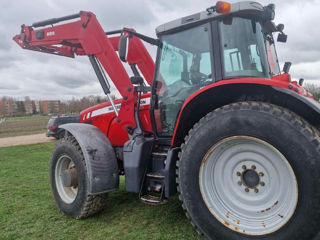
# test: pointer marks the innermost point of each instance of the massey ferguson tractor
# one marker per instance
(214, 119)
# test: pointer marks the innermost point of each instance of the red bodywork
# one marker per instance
(281, 81)
(103, 117)
(86, 37)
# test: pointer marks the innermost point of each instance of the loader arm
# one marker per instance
(85, 36)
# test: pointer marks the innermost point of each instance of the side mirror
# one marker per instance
(280, 27)
(123, 47)
(301, 81)
(286, 67)
(282, 37)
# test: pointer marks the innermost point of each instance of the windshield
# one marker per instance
(272, 56)
(244, 49)
(184, 67)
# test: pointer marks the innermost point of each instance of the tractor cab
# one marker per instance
(227, 41)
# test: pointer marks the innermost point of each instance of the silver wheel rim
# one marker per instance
(258, 210)
(67, 194)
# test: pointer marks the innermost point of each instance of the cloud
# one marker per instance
(308, 71)
(8, 86)
(4, 44)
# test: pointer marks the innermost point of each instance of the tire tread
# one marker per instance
(93, 203)
(298, 122)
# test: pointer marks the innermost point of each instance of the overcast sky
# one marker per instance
(44, 76)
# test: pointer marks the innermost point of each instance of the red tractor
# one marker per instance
(213, 119)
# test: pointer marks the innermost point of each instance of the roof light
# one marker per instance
(223, 7)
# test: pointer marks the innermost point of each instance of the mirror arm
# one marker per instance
(145, 38)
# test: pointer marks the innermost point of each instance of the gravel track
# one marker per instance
(25, 140)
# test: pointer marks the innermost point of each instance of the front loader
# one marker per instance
(214, 119)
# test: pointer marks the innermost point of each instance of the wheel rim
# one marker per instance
(67, 194)
(229, 186)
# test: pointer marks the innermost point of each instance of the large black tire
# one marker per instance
(296, 139)
(84, 204)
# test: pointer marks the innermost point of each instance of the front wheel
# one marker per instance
(251, 171)
(69, 181)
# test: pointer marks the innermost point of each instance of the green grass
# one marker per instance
(28, 211)
(26, 118)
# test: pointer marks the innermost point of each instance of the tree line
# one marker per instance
(9, 106)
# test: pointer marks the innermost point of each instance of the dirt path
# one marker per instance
(24, 140)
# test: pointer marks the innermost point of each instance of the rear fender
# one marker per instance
(101, 163)
(212, 97)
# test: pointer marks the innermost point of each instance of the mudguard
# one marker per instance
(225, 92)
(101, 162)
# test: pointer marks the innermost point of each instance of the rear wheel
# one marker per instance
(251, 171)
(69, 181)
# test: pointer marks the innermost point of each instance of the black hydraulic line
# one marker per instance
(134, 70)
(99, 74)
(114, 32)
(103, 74)
(55, 20)
(138, 130)
(102, 79)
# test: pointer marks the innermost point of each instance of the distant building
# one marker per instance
(8, 108)
(2, 109)
(50, 106)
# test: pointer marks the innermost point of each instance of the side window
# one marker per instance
(255, 58)
(272, 58)
(233, 61)
(171, 63)
(205, 63)
(184, 67)
(243, 50)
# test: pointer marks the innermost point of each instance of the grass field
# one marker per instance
(28, 211)
(23, 126)
(27, 118)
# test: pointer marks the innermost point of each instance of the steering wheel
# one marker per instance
(199, 77)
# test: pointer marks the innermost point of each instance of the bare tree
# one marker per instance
(314, 90)
(2, 109)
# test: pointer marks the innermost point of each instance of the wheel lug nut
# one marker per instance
(253, 167)
(256, 190)
(262, 184)
(247, 190)
(240, 183)
(239, 174)
(244, 167)
(261, 174)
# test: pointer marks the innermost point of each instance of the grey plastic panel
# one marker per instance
(102, 166)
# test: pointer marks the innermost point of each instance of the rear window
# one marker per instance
(51, 122)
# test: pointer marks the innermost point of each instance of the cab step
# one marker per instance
(152, 189)
(159, 154)
(151, 199)
(155, 175)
